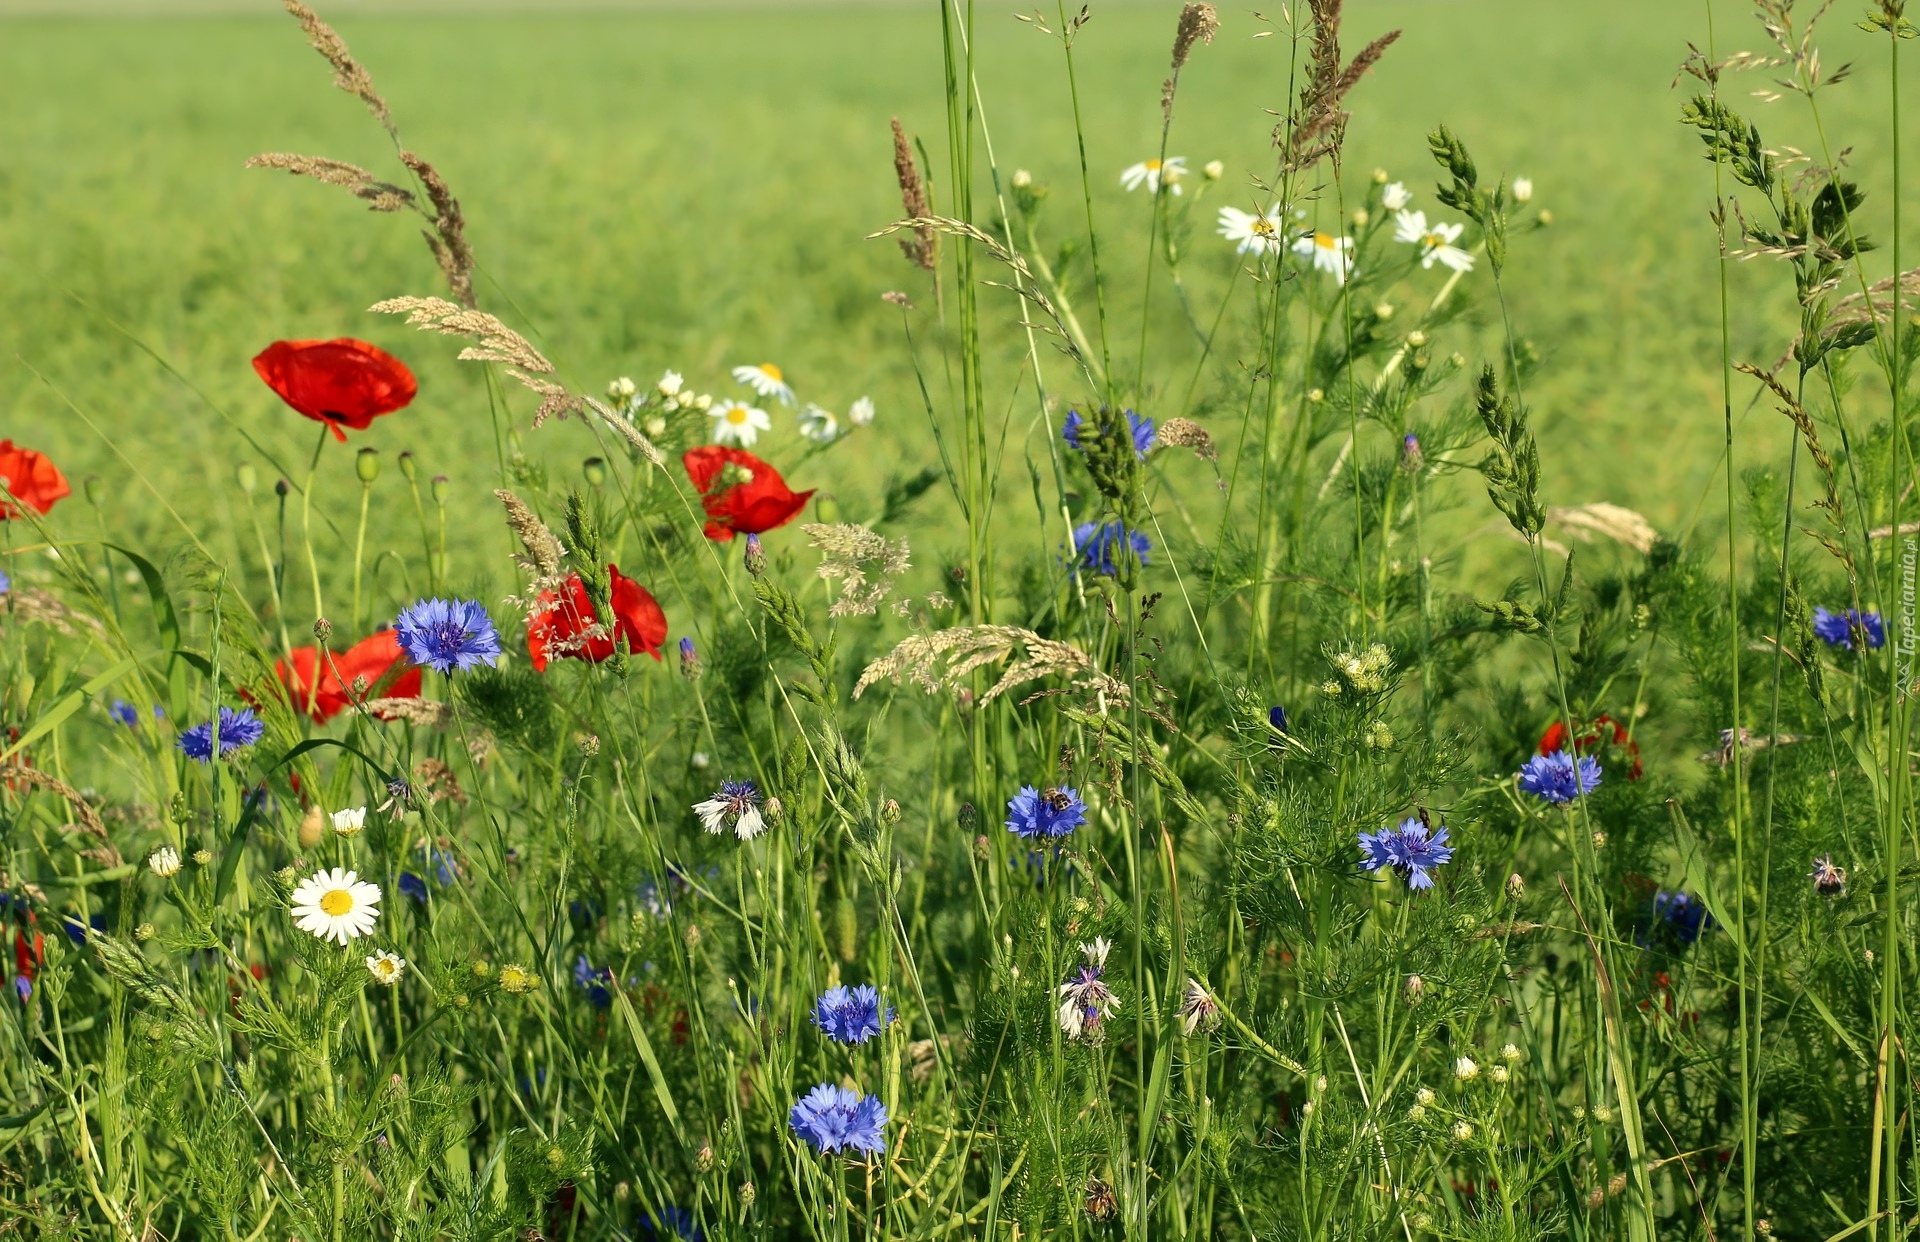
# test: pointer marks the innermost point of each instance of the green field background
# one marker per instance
(689, 186)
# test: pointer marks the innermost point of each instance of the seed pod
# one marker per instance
(366, 464)
(312, 827)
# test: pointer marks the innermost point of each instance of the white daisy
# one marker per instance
(1153, 173)
(1250, 230)
(1436, 243)
(765, 379)
(336, 905)
(670, 383)
(346, 823)
(386, 968)
(819, 425)
(164, 862)
(860, 413)
(1328, 253)
(1522, 189)
(736, 422)
(1395, 196)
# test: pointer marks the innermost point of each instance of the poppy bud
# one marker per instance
(92, 489)
(756, 556)
(366, 464)
(595, 468)
(439, 489)
(323, 629)
(406, 465)
(281, 487)
(827, 509)
(245, 475)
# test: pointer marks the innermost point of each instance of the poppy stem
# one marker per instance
(359, 551)
(306, 524)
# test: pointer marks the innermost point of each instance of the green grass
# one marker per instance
(654, 188)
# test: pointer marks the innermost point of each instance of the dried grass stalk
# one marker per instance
(543, 552)
(89, 821)
(1180, 432)
(378, 195)
(1621, 525)
(348, 74)
(865, 563)
(497, 343)
(448, 238)
(1830, 480)
(1319, 124)
(35, 605)
(946, 658)
(431, 713)
(1198, 22)
(627, 431)
(924, 246)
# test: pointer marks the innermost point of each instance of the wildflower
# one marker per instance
(564, 625)
(238, 729)
(1367, 671)
(851, 1015)
(122, 712)
(765, 379)
(1050, 813)
(1424, 1095)
(1681, 916)
(1154, 173)
(1416, 990)
(1395, 196)
(1602, 1114)
(32, 479)
(1408, 850)
(593, 982)
(1277, 718)
(336, 905)
(1522, 189)
(1436, 243)
(164, 862)
(1462, 1131)
(819, 424)
(348, 822)
(202, 856)
(1199, 1011)
(1085, 999)
(736, 801)
(736, 422)
(1555, 738)
(1828, 880)
(689, 660)
(1327, 253)
(1250, 231)
(1101, 1204)
(754, 559)
(373, 659)
(740, 493)
(1465, 1069)
(386, 968)
(1139, 424)
(670, 1222)
(23, 988)
(342, 383)
(1101, 545)
(1417, 1112)
(517, 979)
(1509, 1052)
(1557, 778)
(699, 759)
(1836, 628)
(1499, 1074)
(145, 932)
(1213, 170)
(1412, 460)
(6, 584)
(836, 1119)
(448, 635)
(860, 413)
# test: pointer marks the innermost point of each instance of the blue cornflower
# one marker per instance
(1408, 850)
(1101, 543)
(1050, 813)
(1552, 776)
(124, 713)
(593, 982)
(238, 729)
(1139, 424)
(1411, 456)
(448, 635)
(834, 1119)
(22, 986)
(6, 583)
(1277, 717)
(851, 1015)
(413, 886)
(1681, 915)
(671, 1222)
(1836, 628)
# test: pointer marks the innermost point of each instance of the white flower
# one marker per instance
(1499, 1073)
(1250, 230)
(1085, 999)
(1424, 1095)
(164, 862)
(1395, 196)
(860, 413)
(386, 968)
(1509, 1053)
(765, 379)
(1436, 243)
(346, 823)
(1465, 1069)
(336, 905)
(699, 759)
(669, 384)
(819, 425)
(736, 422)
(1096, 952)
(1153, 173)
(1022, 178)
(1328, 253)
(735, 800)
(1522, 189)
(622, 390)
(1462, 1131)
(1214, 169)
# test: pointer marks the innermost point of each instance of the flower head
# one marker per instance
(1199, 1011)
(1102, 546)
(819, 424)
(737, 804)
(336, 905)
(1680, 916)
(1435, 241)
(374, 658)
(238, 729)
(1522, 189)
(1139, 425)
(1251, 231)
(1408, 850)
(593, 981)
(836, 1119)
(123, 712)
(564, 625)
(1085, 999)
(1828, 880)
(1327, 253)
(851, 1015)
(1155, 173)
(448, 635)
(386, 968)
(740, 493)
(342, 383)
(736, 422)
(1466, 1069)
(349, 822)
(164, 862)
(6, 584)
(32, 479)
(1395, 195)
(1557, 778)
(1034, 813)
(1277, 718)
(1836, 628)
(765, 379)
(860, 413)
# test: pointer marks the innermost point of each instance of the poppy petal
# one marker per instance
(342, 383)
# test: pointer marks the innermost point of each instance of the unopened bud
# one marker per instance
(689, 660)
(202, 857)
(889, 812)
(406, 465)
(703, 1159)
(439, 487)
(1416, 338)
(281, 487)
(968, 817)
(366, 464)
(982, 848)
(244, 474)
(1516, 886)
(312, 827)
(1213, 170)
(595, 468)
(323, 629)
(773, 810)
(746, 1196)
(145, 931)
(589, 745)
(1416, 989)
(622, 1192)
(756, 558)
(1022, 179)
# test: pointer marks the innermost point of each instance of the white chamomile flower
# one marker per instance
(1522, 189)
(621, 390)
(736, 422)
(347, 823)
(1462, 1131)
(336, 905)
(670, 384)
(1328, 254)
(164, 862)
(819, 425)
(860, 413)
(1155, 173)
(1395, 196)
(1250, 230)
(386, 968)
(1466, 1069)
(765, 379)
(1435, 242)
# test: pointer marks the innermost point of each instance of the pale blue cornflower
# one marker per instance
(238, 729)
(1554, 777)
(835, 1119)
(851, 1015)
(1409, 850)
(1034, 813)
(448, 635)
(1102, 545)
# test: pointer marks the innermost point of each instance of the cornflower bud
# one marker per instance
(323, 629)
(1416, 990)
(366, 464)
(1516, 886)
(772, 811)
(746, 1196)
(589, 746)
(756, 557)
(968, 817)
(889, 812)
(703, 1159)
(281, 487)
(689, 660)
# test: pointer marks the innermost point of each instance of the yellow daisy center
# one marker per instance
(1323, 240)
(1262, 226)
(1435, 241)
(772, 372)
(1153, 165)
(336, 902)
(738, 414)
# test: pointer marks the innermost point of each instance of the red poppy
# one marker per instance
(1597, 734)
(343, 383)
(372, 657)
(32, 478)
(742, 494)
(637, 617)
